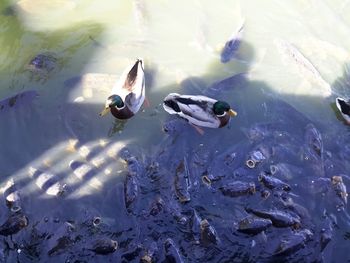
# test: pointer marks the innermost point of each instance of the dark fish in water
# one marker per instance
(135, 166)
(9, 11)
(292, 243)
(157, 206)
(232, 46)
(285, 170)
(208, 233)
(195, 225)
(227, 84)
(13, 224)
(104, 246)
(172, 254)
(44, 63)
(259, 131)
(281, 152)
(326, 233)
(150, 254)
(174, 126)
(11, 195)
(320, 185)
(278, 218)
(344, 108)
(182, 182)
(131, 190)
(306, 68)
(253, 225)
(273, 183)
(288, 203)
(313, 140)
(254, 158)
(339, 188)
(18, 100)
(238, 188)
(61, 239)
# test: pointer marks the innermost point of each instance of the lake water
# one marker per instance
(291, 64)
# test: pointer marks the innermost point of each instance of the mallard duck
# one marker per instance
(344, 108)
(199, 110)
(128, 94)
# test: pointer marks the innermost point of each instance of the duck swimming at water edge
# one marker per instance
(344, 108)
(199, 110)
(128, 94)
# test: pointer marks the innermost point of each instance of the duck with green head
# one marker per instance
(128, 94)
(199, 110)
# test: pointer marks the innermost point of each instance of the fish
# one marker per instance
(15, 223)
(278, 218)
(232, 45)
(19, 100)
(172, 253)
(150, 254)
(182, 182)
(253, 225)
(273, 182)
(61, 239)
(104, 246)
(254, 158)
(208, 233)
(286, 171)
(306, 68)
(174, 126)
(238, 188)
(339, 188)
(227, 84)
(292, 243)
(131, 190)
(313, 139)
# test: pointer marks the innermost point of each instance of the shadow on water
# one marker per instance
(69, 140)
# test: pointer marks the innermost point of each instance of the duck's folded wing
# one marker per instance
(196, 111)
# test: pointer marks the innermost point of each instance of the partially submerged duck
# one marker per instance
(128, 94)
(344, 108)
(199, 110)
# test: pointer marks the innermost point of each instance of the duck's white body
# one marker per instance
(196, 109)
(344, 108)
(131, 86)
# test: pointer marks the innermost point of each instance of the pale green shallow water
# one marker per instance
(180, 42)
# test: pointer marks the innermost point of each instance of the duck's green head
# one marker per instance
(220, 108)
(112, 101)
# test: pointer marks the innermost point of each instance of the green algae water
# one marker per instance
(53, 140)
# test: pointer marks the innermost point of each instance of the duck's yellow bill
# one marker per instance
(104, 112)
(232, 113)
